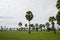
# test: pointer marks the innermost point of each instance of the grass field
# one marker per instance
(23, 35)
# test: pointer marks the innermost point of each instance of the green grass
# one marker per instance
(23, 35)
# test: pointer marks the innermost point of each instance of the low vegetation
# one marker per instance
(23, 35)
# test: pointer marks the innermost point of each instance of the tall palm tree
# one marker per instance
(58, 14)
(36, 27)
(47, 24)
(40, 26)
(52, 19)
(20, 24)
(29, 17)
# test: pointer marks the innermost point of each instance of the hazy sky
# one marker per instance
(14, 11)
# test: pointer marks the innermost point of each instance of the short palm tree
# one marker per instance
(52, 19)
(47, 24)
(33, 27)
(40, 26)
(25, 25)
(29, 17)
(20, 24)
(43, 26)
(36, 27)
(1, 28)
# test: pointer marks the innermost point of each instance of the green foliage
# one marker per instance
(51, 19)
(36, 24)
(40, 25)
(58, 4)
(29, 15)
(43, 25)
(32, 25)
(20, 24)
(47, 24)
(58, 18)
(25, 25)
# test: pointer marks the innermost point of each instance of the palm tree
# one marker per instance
(58, 14)
(43, 26)
(36, 27)
(52, 19)
(20, 24)
(29, 17)
(33, 27)
(1, 28)
(47, 24)
(40, 26)
(25, 25)
(58, 4)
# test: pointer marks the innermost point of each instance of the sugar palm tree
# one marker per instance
(36, 27)
(20, 24)
(43, 26)
(58, 14)
(25, 25)
(1, 28)
(33, 27)
(47, 24)
(52, 19)
(29, 17)
(40, 26)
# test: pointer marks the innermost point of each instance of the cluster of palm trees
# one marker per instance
(29, 16)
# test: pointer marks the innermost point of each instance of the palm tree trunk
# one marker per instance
(53, 28)
(41, 28)
(29, 28)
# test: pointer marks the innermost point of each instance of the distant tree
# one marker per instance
(47, 24)
(52, 19)
(20, 24)
(29, 17)
(36, 27)
(5, 28)
(33, 27)
(1, 28)
(40, 26)
(43, 26)
(25, 25)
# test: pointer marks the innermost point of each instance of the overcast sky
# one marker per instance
(14, 11)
